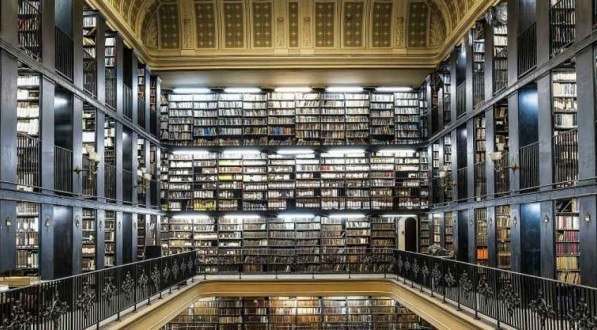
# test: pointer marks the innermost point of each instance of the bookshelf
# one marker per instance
(447, 158)
(333, 175)
(383, 240)
(28, 92)
(503, 235)
(255, 119)
(482, 251)
(383, 179)
(180, 234)
(142, 235)
(164, 132)
(562, 25)
(500, 57)
(280, 182)
(333, 119)
(230, 119)
(90, 55)
(480, 139)
(307, 182)
(156, 102)
(280, 120)
(205, 186)
(565, 104)
(89, 129)
(89, 240)
(110, 141)
(437, 229)
(308, 118)
(449, 231)
(230, 239)
(406, 118)
(29, 27)
(230, 181)
(567, 245)
(180, 182)
(500, 115)
(381, 114)
(407, 180)
(308, 240)
(164, 179)
(424, 181)
(110, 239)
(357, 118)
(181, 120)
(478, 63)
(165, 235)
(27, 237)
(301, 312)
(446, 77)
(281, 242)
(255, 182)
(424, 233)
(423, 112)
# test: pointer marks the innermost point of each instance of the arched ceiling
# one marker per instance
(203, 34)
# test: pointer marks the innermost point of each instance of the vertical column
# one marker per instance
(472, 236)
(158, 97)
(77, 26)
(101, 60)
(8, 124)
(119, 49)
(47, 134)
(512, 41)
(588, 237)
(48, 30)
(491, 237)
(134, 243)
(545, 133)
(134, 89)
(585, 70)
(489, 147)
(515, 233)
(77, 239)
(543, 31)
(453, 104)
(147, 86)
(135, 165)
(100, 120)
(547, 238)
(78, 144)
(584, 19)
(100, 245)
(469, 72)
(470, 159)
(119, 167)
(119, 240)
(46, 242)
(441, 192)
(9, 21)
(8, 235)
(454, 139)
(147, 147)
(488, 69)
(513, 140)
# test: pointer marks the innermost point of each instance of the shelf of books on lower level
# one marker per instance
(482, 250)
(567, 245)
(449, 231)
(27, 237)
(89, 240)
(304, 312)
(503, 236)
(110, 239)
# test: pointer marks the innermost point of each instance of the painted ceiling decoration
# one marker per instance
(177, 34)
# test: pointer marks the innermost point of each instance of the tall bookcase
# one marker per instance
(308, 118)
(565, 141)
(27, 238)
(503, 237)
(255, 119)
(481, 226)
(424, 233)
(437, 229)
(500, 57)
(478, 63)
(89, 240)
(447, 148)
(28, 129)
(280, 119)
(449, 231)
(381, 115)
(567, 245)
(110, 239)
(406, 113)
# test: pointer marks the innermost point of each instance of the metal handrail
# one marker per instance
(29, 161)
(529, 166)
(565, 157)
(562, 25)
(527, 49)
(29, 28)
(63, 169)
(502, 296)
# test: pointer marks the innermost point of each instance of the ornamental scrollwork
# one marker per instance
(55, 310)
(436, 275)
(581, 316)
(155, 277)
(510, 298)
(128, 286)
(449, 278)
(465, 284)
(109, 290)
(19, 318)
(484, 288)
(85, 300)
(542, 308)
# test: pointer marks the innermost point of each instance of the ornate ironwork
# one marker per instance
(166, 273)
(183, 267)
(509, 297)
(465, 284)
(190, 265)
(542, 308)
(109, 290)
(128, 286)
(55, 309)
(85, 300)
(484, 288)
(155, 277)
(142, 282)
(436, 275)
(449, 278)
(424, 272)
(175, 269)
(581, 316)
(19, 318)
(399, 264)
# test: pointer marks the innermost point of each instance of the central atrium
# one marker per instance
(298, 164)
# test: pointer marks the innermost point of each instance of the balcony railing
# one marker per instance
(462, 183)
(529, 166)
(506, 298)
(29, 162)
(478, 88)
(565, 158)
(142, 190)
(63, 169)
(127, 99)
(89, 178)
(502, 174)
(141, 111)
(461, 99)
(110, 181)
(500, 71)
(562, 25)
(111, 89)
(127, 186)
(89, 73)
(527, 50)
(480, 180)
(29, 28)
(64, 53)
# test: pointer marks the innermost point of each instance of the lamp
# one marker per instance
(515, 220)
(47, 223)
(77, 221)
(587, 217)
(8, 222)
(546, 218)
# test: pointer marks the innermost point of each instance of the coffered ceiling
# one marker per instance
(225, 34)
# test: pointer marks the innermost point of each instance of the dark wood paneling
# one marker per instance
(530, 238)
(63, 241)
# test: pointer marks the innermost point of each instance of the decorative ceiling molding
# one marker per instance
(225, 34)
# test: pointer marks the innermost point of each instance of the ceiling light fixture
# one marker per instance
(344, 89)
(191, 90)
(393, 89)
(240, 90)
(293, 89)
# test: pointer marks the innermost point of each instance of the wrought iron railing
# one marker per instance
(507, 298)
(89, 177)
(89, 73)
(29, 28)
(529, 166)
(480, 180)
(28, 162)
(462, 183)
(142, 190)
(562, 25)
(500, 70)
(502, 174)
(111, 89)
(478, 87)
(565, 158)
(527, 49)
(110, 181)
(461, 99)
(141, 111)
(64, 53)
(127, 102)
(63, 169)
